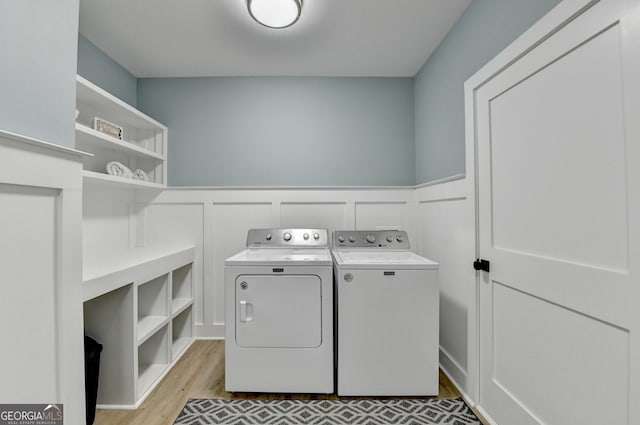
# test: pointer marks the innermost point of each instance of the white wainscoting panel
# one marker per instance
(447, 226)
(330, 215)
(382, 215)
(106, 214)
(41, 263)
(27, 219)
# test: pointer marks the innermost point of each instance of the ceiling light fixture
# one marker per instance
(275, 13)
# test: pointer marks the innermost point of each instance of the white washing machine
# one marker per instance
(279, 313)
(387, 316)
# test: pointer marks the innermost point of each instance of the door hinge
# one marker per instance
(481, 264)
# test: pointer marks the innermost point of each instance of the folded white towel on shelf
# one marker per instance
(118, 169)
(140, 175)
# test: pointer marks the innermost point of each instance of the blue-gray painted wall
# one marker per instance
(38, 69)
(483, 31)
(285, 131)
(97, 67)
(224, 130)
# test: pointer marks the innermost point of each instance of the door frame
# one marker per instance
(557, 18)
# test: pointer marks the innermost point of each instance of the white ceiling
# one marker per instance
(190, 38)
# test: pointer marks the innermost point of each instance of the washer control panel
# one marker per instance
(278, 238)
(382, 239)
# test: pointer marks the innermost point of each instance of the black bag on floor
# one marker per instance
(92, 350)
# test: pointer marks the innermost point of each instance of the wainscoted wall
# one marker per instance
(41, 262)
(217, 220)
(439, 219)
(446, 226)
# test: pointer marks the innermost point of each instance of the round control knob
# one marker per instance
(399, 238)
(371, 238)
(352, 238)
(305, 236)
(341, 238)
(287, 236)
(316, 236)
(390, 238)
(268, 236)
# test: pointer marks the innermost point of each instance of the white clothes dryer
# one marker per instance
(279, 313)
(387, 307)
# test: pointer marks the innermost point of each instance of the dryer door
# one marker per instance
(278, 311)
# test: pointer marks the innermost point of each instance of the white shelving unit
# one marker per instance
(138, 302)
(144, 144)
(139, 306)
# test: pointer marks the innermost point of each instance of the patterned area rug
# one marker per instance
(327, 412)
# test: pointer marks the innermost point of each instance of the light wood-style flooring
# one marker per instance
(200, 374)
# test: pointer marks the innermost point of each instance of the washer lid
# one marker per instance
(374, 259)
(284, 256)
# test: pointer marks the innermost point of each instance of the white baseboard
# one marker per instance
(215, 331)
(487, 418)
(453, 369)
(457, 383)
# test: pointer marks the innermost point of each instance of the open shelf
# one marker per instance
(143, 145)
(181, 289)
(109, 180)
(182, 331)
(88, 139)
(91, 100)
(148, 375)
(178, 305)
(153, 359)
(149, 325)
(152, 307)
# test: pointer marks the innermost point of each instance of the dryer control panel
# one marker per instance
(282, 238)
(381, 239)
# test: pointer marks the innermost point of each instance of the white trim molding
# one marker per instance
(41, 186)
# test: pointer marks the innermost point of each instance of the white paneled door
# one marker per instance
(557, 154)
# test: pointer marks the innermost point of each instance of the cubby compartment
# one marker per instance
(108, 319)
(153, 359)
(181, 289)
(182, 331)
(152, 306)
